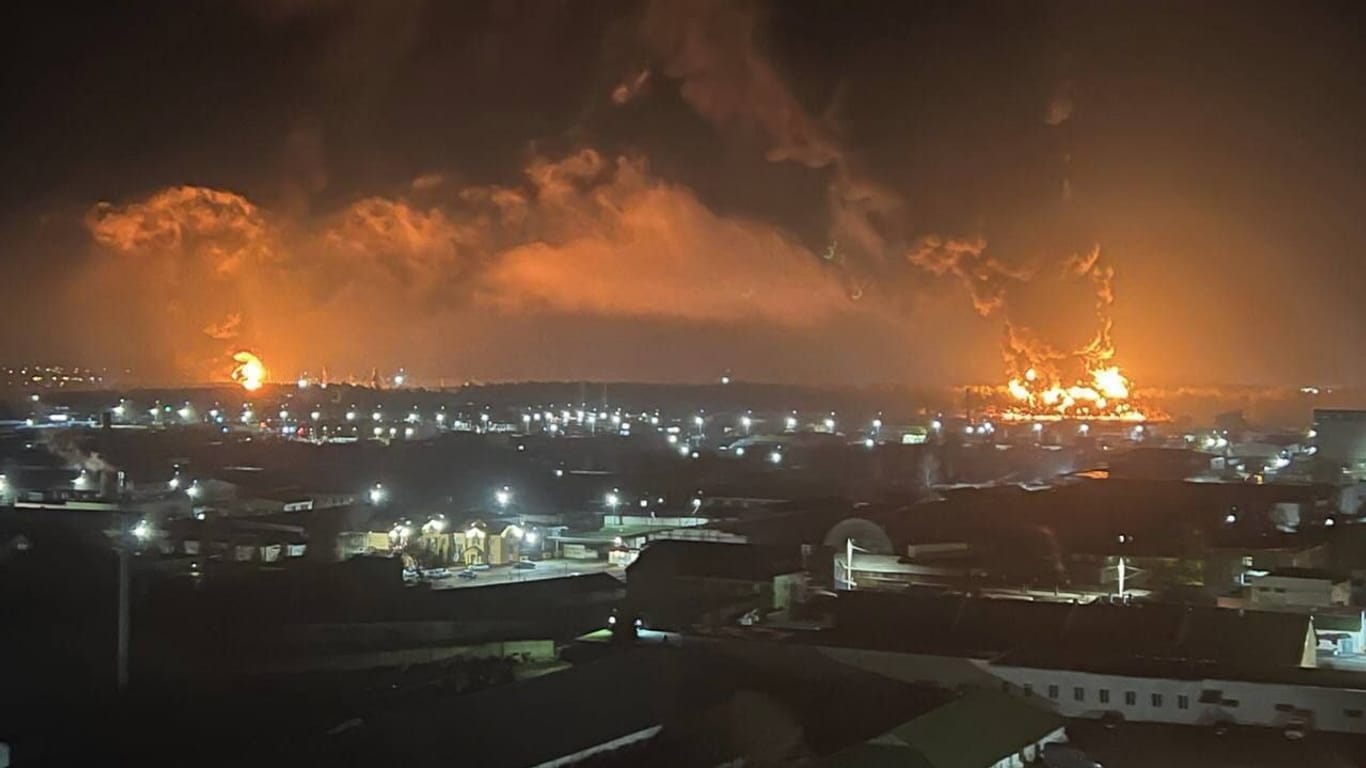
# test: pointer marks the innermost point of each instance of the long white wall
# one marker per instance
(1162, 700)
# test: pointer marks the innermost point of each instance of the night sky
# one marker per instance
(820, 192)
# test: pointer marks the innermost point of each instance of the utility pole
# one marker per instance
(849, 548)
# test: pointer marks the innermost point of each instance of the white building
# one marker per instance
(1299, 589)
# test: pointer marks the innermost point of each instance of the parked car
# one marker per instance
(524, 565)
(467, 574)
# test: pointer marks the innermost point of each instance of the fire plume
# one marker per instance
(1051, 384)
(248, 370)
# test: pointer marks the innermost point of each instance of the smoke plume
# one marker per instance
(584, 234)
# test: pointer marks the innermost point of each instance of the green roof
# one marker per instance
(979, 728)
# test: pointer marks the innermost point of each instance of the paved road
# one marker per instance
(545, 569)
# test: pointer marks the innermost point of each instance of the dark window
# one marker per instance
(1052, 691)
(1079, 694)
(1352, 712)
(1130, 698)
(1183, 702)
(1157, 699)
(1229, 703)
(1104, 695)
(1029, 689)
(1005, 686)
(1285, 707)
(1209, 696)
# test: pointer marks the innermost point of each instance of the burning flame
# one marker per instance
(1051, 384)
(248, 371)
(1103, 395)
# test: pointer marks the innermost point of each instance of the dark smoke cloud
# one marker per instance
(711, 49)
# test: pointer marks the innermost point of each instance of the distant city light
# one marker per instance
(725, 379)
(739, 451)
(142, 531)
(775, 457)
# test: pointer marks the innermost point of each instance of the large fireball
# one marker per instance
(248, 371)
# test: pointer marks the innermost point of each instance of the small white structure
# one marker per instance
(1299, 588)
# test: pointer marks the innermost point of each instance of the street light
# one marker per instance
(612, 499)
(377, 494)
(503, 496)
(746, 422)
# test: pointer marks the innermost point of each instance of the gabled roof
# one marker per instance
(977, 729)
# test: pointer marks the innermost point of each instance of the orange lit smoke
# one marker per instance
(248, 371)
(583, 234)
